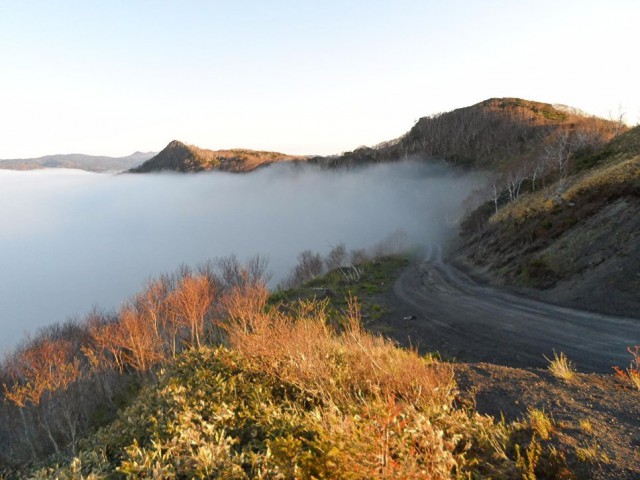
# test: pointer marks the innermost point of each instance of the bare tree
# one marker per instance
(558, 154)
(309, 266)
(496, 193)
(44, 368)
(515, 178)
(190, 303)
(337, 257)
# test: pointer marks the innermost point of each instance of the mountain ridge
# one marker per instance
(182, 157)
(91, 163)
(488, 134)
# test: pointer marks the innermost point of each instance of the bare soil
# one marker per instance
(598, 413)
(594, 265)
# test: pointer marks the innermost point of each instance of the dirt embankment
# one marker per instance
(594, 265)
(594, 417)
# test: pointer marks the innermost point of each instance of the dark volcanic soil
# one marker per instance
(594, 266)
(596, 413)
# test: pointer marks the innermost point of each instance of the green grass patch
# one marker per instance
(377, 278)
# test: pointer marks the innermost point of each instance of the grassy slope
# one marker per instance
(294, 398)
(590, 239)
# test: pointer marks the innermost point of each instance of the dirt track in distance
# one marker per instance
(438, 308)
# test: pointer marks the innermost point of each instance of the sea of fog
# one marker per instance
(71, 240)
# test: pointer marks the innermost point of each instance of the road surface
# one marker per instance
(444, 310)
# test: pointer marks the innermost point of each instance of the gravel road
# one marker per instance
(443, 309)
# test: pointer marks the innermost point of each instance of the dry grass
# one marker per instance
(300, 348)
(386, 412)
(540, 423)
(561, 367)
(631, 374)
(610, 177)
(588, 454)
(586, 426)
(604, 182)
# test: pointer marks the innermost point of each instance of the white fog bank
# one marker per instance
(70, 240)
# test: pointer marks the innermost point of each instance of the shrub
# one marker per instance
(631, 374)
(561, 367)
(540, 423)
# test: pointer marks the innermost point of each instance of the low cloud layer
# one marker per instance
(71, 240)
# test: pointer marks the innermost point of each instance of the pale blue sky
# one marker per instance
(113, 77)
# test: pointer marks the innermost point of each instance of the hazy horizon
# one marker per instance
(72, 239)
(298, 78)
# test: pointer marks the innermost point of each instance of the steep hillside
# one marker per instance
(492, 134)
(577, 239)
(79, 161)
(181, 157)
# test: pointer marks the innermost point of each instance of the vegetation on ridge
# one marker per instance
(179, 157)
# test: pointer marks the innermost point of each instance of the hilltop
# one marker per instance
(491, 134)
(559, 218)
(180, 157)
(78, 161)
(557, 179)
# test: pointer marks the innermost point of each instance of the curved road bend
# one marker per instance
(447, 311)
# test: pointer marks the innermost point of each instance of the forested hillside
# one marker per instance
(495, 133)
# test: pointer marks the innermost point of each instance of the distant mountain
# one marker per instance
(180, 157)
(79, 161)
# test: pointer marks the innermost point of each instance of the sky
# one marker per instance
(300, 77)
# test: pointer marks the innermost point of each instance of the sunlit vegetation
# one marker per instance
(513, 232)
(505, 134)
(631, 374)
(69, 379)
(205, 375)
(561, 367)
(602, 184)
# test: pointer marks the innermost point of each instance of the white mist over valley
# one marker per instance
(72, 240)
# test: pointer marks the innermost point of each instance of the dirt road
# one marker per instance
(440, 308)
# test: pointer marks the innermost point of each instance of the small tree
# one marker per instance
(310, 265)
(190, 303)
(337, 257)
